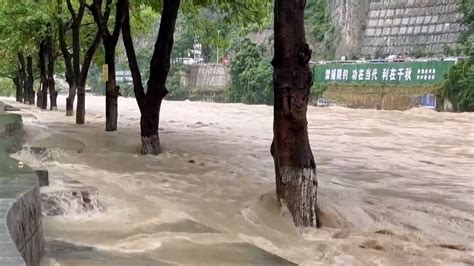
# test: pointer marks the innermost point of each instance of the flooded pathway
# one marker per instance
(396, 188)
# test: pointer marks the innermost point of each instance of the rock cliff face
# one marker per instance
(350, 18)
(383, 27)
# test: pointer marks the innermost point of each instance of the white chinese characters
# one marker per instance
(426, 74)
(373, 74)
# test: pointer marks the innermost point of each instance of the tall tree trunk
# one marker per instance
(159, 69)
(51, 62)
(76, 67)
(81, 85)
(43, 91)
(53, 94)
(70, 78)
(75, 75)
(81, 105)
(295, 169)
(23, 77)
(71, 96)
(30, 79)
(110, 41)
(17, 82)
(150, 103)
(111, 91)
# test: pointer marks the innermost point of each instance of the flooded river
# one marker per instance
(396, 188)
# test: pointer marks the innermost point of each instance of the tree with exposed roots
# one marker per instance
(295, 169)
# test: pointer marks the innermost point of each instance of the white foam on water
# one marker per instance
(395, 188)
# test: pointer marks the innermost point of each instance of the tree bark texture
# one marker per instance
(150, 102)
(295, 169)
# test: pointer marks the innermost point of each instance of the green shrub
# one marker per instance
(317, 90)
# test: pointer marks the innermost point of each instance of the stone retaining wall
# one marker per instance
(21, 230)
(411, 26)
(25, 226)
(207, 77)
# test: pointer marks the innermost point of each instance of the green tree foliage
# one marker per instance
(467, 8)
(317, 90)
(318, 18)
(7, 88)
(251, 75)
(459, 86)
(321, 28)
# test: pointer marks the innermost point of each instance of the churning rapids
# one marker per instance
(396, 188)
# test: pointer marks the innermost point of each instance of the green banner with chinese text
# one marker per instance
(384, 73)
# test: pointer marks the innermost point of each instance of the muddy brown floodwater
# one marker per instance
(396, 188)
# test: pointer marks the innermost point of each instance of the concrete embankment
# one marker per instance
(21, 229)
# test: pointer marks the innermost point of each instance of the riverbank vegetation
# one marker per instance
(459, 85)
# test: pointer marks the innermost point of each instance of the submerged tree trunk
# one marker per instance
(76, 67)
(51, 62)
(296, 180)
(150, 102)
(43, 91)
(18, 87)
(111, 91)
(110, 40)
(81, 105)
(159, 69)
(23, 77)
(76, 73)
(44, 94)
(53, 94)
(149, 125)
(70, 78)
(82, 78)
(30, 79)
(70, 98)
